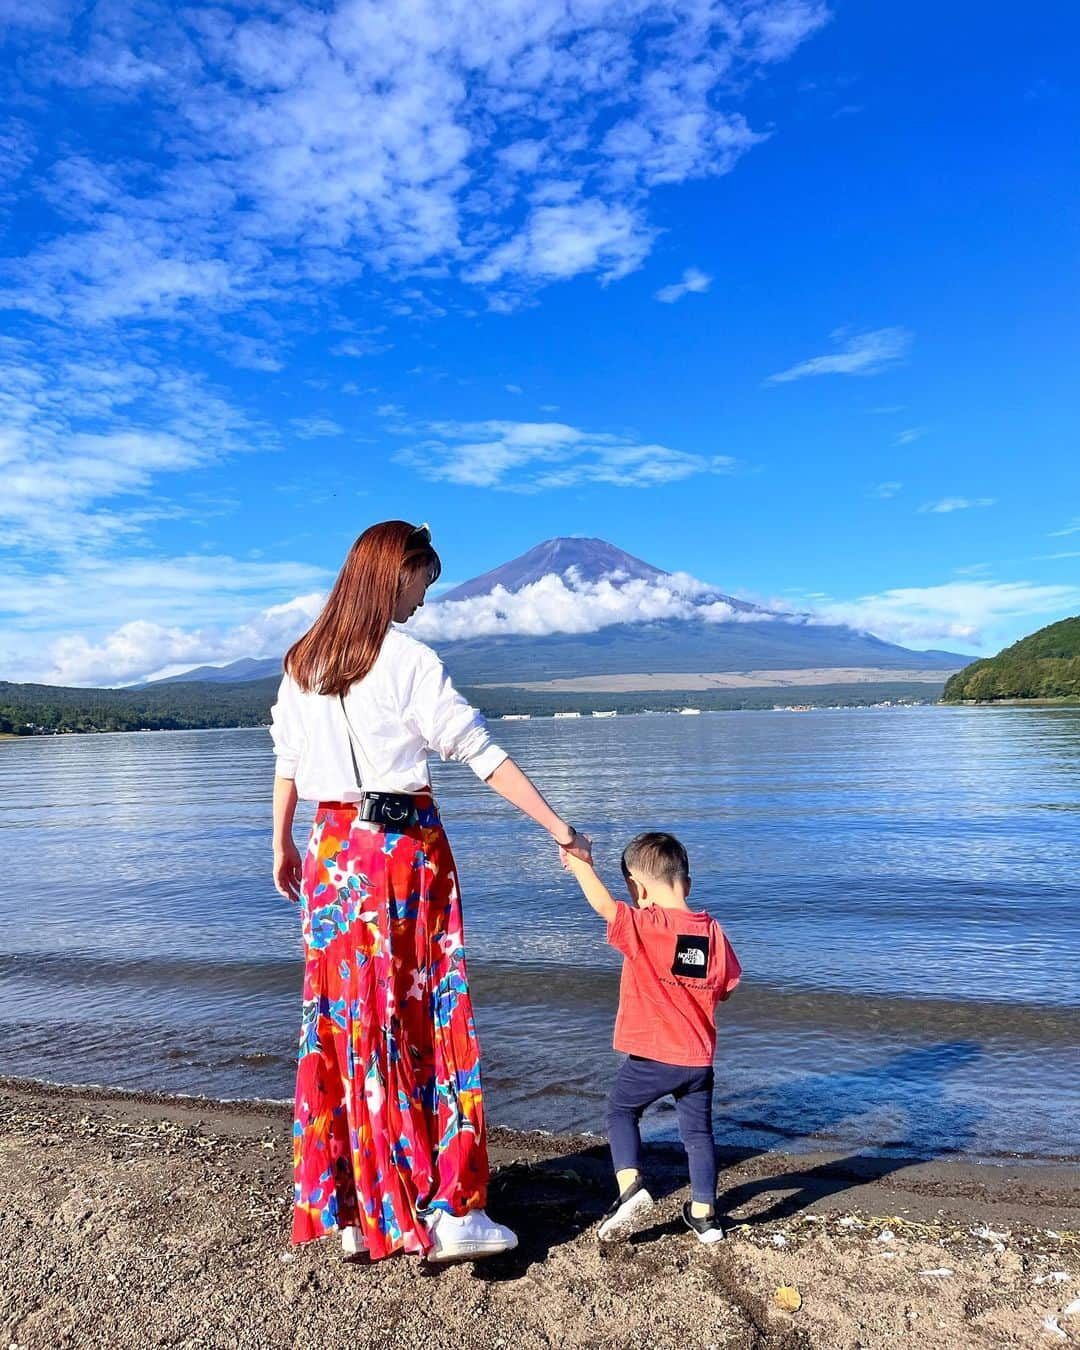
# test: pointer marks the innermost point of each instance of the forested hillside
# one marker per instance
(34, 709)
(1045, 664)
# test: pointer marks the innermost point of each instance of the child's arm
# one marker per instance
(592, 887)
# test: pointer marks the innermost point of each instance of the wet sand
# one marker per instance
(148, 1220)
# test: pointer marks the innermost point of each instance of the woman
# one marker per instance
(389, 1139)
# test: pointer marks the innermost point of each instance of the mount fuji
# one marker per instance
(627, 619)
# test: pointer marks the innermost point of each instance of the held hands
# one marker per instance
(288, 870)
(577, 857)
(572, 863)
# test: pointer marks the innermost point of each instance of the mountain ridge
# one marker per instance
(755, 638)
(590, 558)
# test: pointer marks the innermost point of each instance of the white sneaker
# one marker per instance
(625, 1213)
(353, 1246)
(470, 1237)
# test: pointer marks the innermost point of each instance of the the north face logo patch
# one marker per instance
(691, 957)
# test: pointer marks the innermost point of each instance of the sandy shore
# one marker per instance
(725, 679)
(140, 1220)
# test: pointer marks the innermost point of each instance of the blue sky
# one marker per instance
(777, 293)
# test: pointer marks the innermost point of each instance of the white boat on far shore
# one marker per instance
(567, 714)
(515, 717)
(604, 714)
(689, 712)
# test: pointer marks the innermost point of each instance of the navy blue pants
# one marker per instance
(638, 1084)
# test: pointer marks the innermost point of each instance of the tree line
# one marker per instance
(42, 709)
(1045, 664)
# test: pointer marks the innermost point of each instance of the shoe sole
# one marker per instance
(710, 1237)
(470, 1251)
(623, 1221)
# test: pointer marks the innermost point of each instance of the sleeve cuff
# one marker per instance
(487, 761)
(285, 767)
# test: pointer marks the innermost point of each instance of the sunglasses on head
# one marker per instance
(419, 538)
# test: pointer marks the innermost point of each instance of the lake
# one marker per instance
(901, 886)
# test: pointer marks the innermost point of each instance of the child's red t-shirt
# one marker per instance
(678, 965)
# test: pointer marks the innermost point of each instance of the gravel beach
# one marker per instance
(148, 1220)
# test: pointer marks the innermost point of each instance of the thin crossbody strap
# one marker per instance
(353, 740)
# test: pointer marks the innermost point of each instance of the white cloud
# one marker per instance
(163, 593)
(535, 456)
(886, 490)
(143, 647)
(964, 613)
(121, 269)
(946, 505)
(910, 435)
(513, 388)
(219, 589)
(778, 29)
(67, 484)
(366, 344)
(313, 428)
(1073, 527)
(34, 13)
(557, 242)
(967, 612)
(567, 604)
(860, 354)
(272, 147)
(235, 600)
(694, 282)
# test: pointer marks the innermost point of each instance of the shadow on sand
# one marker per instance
(551, 1201)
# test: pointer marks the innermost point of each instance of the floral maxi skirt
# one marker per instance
(389, 1117)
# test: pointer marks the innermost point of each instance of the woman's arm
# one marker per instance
(516, 787)
(288, 867)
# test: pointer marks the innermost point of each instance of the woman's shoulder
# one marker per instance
(405, 651)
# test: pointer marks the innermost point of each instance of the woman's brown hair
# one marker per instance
(341, 645)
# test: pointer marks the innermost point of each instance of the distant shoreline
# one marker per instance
(546, 700)
(1062, 701)
(665, 683)
(543, 715)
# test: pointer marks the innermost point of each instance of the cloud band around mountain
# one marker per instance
(953, 612)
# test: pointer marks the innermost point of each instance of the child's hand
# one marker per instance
(572, 863)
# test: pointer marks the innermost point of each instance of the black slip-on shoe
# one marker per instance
(626, 1211)
(707, 1230)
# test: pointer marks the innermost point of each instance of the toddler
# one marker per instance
(677, 965)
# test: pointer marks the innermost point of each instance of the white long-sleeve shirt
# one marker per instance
(404, 708)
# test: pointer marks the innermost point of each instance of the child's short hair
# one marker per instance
(656, 855)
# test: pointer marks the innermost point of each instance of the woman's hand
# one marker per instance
(288, 870)
(580, 846)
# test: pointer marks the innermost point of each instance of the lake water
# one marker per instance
(901, 886)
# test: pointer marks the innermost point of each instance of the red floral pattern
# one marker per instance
(389, 1107)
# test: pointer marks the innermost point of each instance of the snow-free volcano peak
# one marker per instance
(591, 559)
